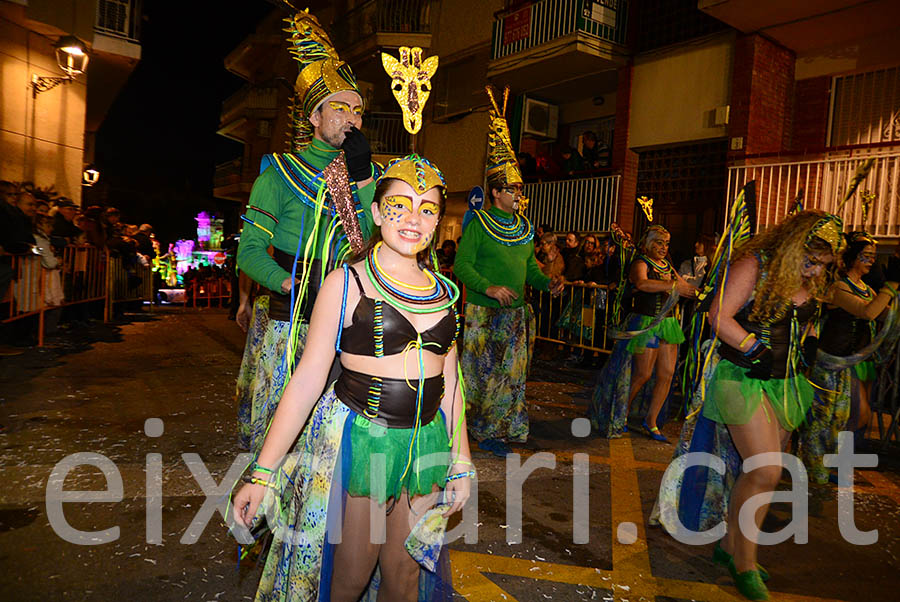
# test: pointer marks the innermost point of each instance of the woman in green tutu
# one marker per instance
(762, 317)
(377, 448)
(649, 344)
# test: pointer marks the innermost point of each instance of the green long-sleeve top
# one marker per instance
(282, 202)
(481, 262)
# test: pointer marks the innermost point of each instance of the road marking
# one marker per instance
(631, 577)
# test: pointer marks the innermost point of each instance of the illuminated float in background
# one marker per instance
(186, 254)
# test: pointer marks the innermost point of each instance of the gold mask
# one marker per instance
(410, 83)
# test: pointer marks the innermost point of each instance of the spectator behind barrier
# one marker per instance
(15, 223)
(554, 264)
(53, 292)
(64, 220)
(574, 261)
(447, 254)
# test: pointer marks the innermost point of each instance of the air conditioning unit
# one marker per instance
(540, 119)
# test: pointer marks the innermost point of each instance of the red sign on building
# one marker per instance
(517, 26)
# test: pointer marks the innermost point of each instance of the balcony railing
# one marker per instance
(821, 183)
(547, 20)
(119, 18)
(586, 204)
(227, 173)
(386, 133)
(250, 97)
(384, 16)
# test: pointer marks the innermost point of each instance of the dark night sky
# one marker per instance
(158, 147)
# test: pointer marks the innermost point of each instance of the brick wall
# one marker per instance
(811, 102)
(762, 95)
(623, 158)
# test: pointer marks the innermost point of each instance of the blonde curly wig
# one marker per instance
(782, 250)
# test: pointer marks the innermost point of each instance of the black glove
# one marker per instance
(892, 271)
(358, 154)
(810, 348)
(762, 360)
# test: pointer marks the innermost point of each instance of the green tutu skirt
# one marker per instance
(379, 456)
(733, 397)
(865, 371)
(668, 330)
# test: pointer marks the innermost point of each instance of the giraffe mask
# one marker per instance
(410, 83)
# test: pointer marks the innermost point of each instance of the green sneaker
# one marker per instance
(720, 556)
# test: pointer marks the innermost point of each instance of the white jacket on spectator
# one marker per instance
(53, 291)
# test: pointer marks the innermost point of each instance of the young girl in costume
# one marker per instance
(650, 342)
(753, 393)
(842, 391)
(384, 439)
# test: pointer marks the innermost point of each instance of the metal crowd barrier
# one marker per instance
(85, 273)
(886, 399)
(578, 317)
(126, 283)
(208, 290)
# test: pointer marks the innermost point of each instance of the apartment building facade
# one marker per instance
(688, 100)
(47, 133)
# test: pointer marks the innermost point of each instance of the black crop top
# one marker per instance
(378, 329)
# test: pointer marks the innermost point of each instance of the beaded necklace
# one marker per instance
(445, 295)
(393, 280)
(860, 291)
(662, 269)
(515, 230)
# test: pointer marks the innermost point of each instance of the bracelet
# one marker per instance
(750, 351)
(746, 338)
(256, 481)
(467, 462)
(460, 475)
(255, 467)
(891, 288)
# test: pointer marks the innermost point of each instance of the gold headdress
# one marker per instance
(502, 163)
(830, 229)
(410, 83)
(416, 171)
(322, 74)
(646, 204)
(861, 236)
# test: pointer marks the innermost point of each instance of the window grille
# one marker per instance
(865, 108)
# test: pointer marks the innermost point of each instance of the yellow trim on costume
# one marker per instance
(263, 228)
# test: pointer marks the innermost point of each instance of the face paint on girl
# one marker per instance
(408, 218)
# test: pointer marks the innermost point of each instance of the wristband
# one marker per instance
(752, 349)
(460, 475)
(255, 467)
(255, 481)
(746, 338)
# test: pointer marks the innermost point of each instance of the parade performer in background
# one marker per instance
(844, 373)
(494, 260)
(648, 343)
(763, 317)
(308, 206)
(398, 401)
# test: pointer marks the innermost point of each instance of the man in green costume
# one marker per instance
(495, 260)
(309, 207)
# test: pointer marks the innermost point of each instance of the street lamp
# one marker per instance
(72, 58)
(90, 175)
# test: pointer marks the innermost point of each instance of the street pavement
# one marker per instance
(92, 390)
